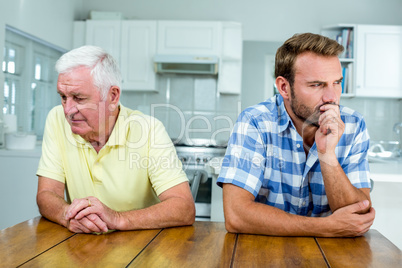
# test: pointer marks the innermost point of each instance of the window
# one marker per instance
(30, 80)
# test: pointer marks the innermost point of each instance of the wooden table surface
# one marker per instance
(40, 243)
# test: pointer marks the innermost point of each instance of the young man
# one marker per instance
(296, 164)
(118, 166)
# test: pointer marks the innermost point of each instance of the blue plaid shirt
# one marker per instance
(265, 156)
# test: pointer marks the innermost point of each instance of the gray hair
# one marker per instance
(104, 69)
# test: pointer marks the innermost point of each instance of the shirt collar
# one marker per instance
(118, 135)
(284, 120)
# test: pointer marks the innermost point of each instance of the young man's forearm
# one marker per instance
(339, 190)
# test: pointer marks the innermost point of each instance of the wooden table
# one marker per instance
(40, 243)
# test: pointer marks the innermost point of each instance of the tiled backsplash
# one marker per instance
(380, 115)
(189, 106)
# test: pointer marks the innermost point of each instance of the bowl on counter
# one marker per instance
(20, 141)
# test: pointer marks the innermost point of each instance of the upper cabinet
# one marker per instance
(131, 43)
(138, 46)
(372, 62)
(379, 61)
(106, 34)
(189, 37)
(134, 43)
(230, 67)
(206, 38)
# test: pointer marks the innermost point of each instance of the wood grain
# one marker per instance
(115, 249)
(26, 240)
(41, 243)
(205, 244)
(370, 250)
(270, 251)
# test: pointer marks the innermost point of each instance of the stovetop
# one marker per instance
(199, 143)
(199, 153)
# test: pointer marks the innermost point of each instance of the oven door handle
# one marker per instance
(196, 180)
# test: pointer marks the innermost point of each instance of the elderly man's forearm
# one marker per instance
(52, 207)
(172, 212)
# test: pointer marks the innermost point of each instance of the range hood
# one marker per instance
(186, 64)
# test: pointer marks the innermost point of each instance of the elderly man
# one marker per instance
(296, 164)
(118, 166)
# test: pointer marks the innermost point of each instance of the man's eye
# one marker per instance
(79, 99)
(316, 85)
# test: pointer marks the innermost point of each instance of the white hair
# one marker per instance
(104, 69)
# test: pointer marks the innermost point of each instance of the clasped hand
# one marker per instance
(89, 215)
(330, 130)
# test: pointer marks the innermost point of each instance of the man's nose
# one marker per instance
(330, 94)
(70, 107)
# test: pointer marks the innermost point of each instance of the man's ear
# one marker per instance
(114, 95)
(283, 87)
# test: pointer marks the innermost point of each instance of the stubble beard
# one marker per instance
(306, 114)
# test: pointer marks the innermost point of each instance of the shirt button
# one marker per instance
(298, 145)
(304, 203)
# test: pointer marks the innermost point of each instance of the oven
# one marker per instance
(194, 158)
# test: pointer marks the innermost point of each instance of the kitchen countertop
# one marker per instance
(23, 153)
(386, 172)
(380, 171)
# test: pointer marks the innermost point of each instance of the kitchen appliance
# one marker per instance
(187, 64)
(194, 156)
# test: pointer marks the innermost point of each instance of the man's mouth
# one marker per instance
(75, 120)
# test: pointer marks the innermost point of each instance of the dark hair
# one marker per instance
(286, 55)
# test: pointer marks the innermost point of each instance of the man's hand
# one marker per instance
(91, 214)
(330, 130)
(346, 222)
(89, 223)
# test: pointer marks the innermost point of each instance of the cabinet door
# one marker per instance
(379, 61)
(105, 34)
(138, 46)
(189, 37)
(229, 81)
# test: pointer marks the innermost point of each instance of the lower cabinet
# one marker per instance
(387, 200)
(18, 189)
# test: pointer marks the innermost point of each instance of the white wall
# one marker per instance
(49, 20)
(262, 19)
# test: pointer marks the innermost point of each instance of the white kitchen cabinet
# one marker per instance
(19, 185)
(105, 34)
(216, 38)
(387, 199)
(189, 37)
(138, 45)
(132, 44)
(379, 61)
(229, 77)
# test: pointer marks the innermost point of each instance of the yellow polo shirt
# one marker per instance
(138, 163)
